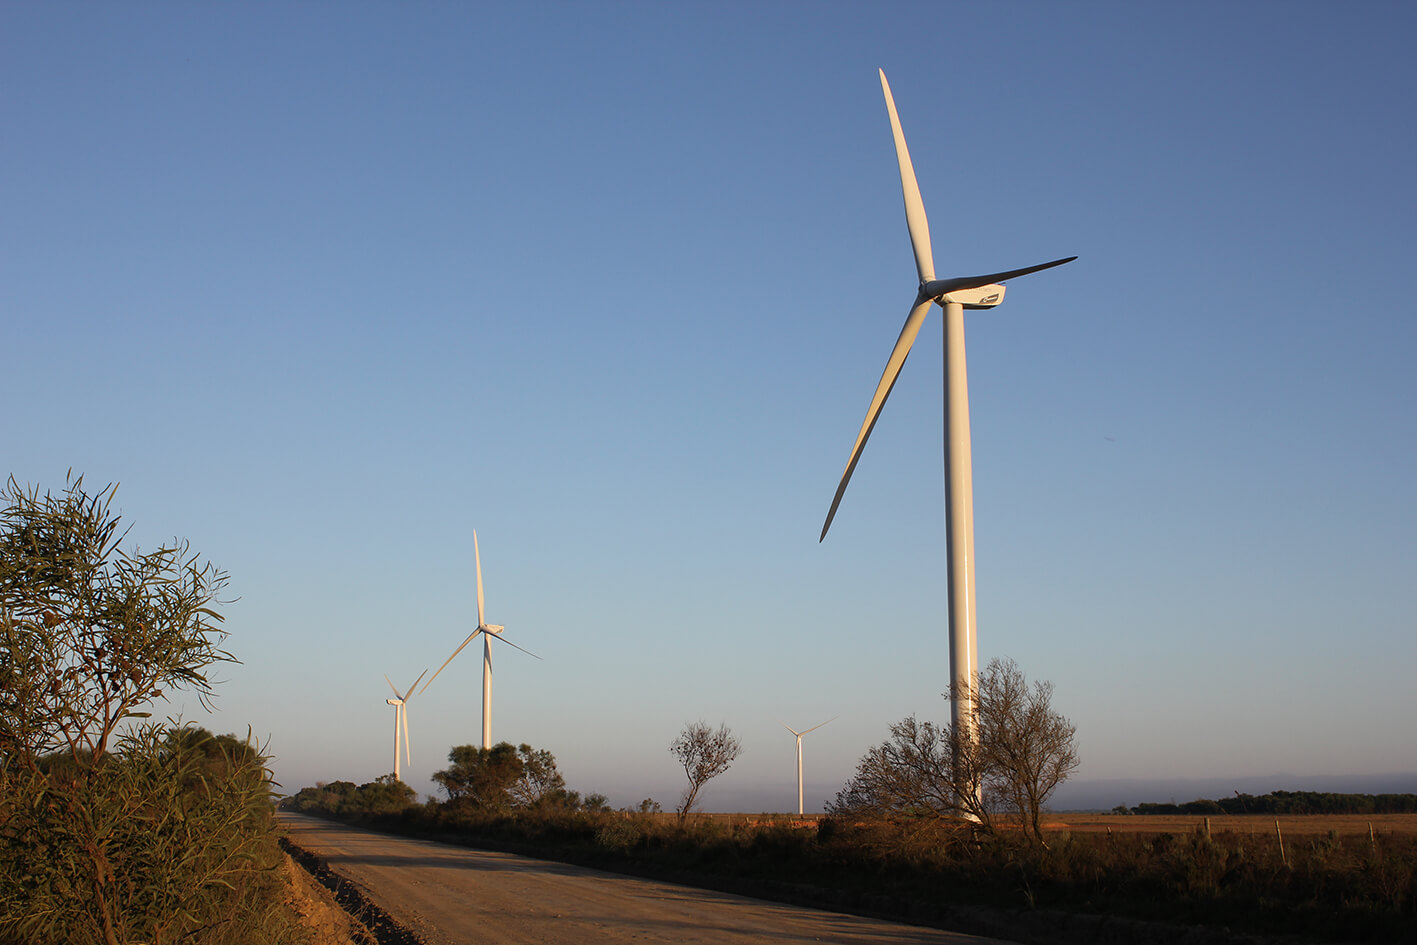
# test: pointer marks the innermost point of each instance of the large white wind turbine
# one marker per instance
(400, 704)
(799, 753)
(954, 296)
(488, 631)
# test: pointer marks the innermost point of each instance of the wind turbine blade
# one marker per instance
(415, 684)
(449, 660)
(510, 643)
(812, 729)
(913, 322)
(397, 694)
(407, 752)
(939, 287)
(478, 556)
(791, 729)
(914, 206)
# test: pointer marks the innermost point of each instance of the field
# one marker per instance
(1296, 825)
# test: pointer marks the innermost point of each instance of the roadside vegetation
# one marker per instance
(115, 829)
(896, 842)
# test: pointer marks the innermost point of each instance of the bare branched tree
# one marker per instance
(705, 754)
(1021, 751)
(915, 774)
(1029, 748)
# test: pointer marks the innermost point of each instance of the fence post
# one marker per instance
(1282, 858)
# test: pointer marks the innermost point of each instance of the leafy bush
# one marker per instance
(115, 830)
(166, 836)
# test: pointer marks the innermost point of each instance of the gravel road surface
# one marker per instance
(450, 895)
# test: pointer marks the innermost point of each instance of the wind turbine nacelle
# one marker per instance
(394, 701)
(493, 628)
(984, 296)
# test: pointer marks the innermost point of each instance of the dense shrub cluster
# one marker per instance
(384, 795)
(482, 786)
(169, 837)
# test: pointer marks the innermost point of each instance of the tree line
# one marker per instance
(501, 781)
(1287, 802)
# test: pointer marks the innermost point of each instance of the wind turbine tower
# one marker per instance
(799, 754)
(400, 704)
(955, 296)
(488, 631)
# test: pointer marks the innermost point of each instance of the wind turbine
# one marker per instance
(488, 631)
(400, 704)
(954, 296)
(799, 754)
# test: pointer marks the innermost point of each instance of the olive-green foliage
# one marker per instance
(503, 778)
(384, 795)
(90, 631)
(482, 784)
(167, 835)
(115, 831)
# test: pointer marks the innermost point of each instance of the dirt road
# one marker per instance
(451, 895)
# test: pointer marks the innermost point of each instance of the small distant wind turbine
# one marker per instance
(799, 753)
(954, 296)
(488, 631)
(400, 704)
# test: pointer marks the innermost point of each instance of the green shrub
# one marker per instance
(169, 837)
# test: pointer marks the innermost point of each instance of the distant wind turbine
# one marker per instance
(799, 753)
(400, 704)
(954, 296)
(488, 631)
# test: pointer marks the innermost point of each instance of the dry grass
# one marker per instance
(1345, 825)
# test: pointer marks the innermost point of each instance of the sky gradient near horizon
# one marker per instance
(327, 286)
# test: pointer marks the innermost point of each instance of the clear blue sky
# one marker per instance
(327, 286)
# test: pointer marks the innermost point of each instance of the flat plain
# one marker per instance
(1346, 825)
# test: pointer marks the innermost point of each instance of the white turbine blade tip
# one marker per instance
(915, 220)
